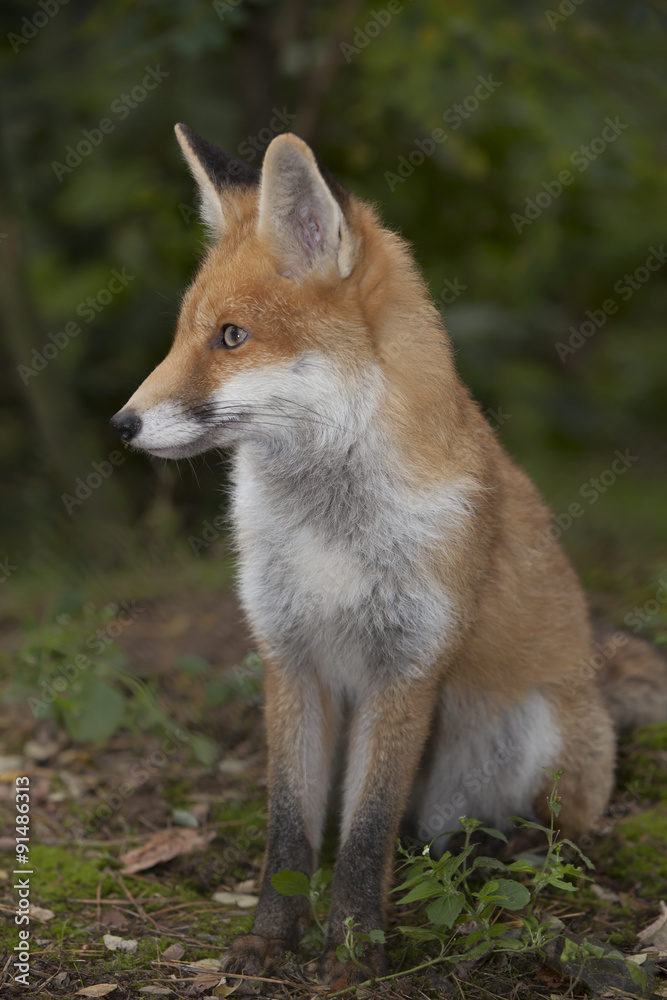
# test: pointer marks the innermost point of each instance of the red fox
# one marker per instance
(393, 563)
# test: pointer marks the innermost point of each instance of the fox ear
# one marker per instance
(300, 212)
(214, 172)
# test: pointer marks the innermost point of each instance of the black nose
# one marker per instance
(126, 424)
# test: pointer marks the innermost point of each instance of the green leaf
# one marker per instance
(419, 933)
(343, 953)
(291, 883)
(96, 716)
(483, 948)
(509, 944)
(376, 936)
(482, 862)
(446, 909)
(204, 749)
(416, 872)
(521, 865)
(426, 889)
(558, 882)
(492, 832)
(321, 878)
(637, 974)
(505, 892)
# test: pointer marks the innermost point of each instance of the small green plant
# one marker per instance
(291, 883)
(71, 670)
(584, 951)
(465, 915)
(352, 949)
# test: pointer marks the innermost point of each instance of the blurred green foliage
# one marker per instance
(366, 85)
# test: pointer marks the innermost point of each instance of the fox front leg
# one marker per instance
(300, 729)
(387, 737)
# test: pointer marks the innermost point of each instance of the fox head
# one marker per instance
(303, 309)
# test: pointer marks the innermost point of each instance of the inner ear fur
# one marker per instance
(300, 212)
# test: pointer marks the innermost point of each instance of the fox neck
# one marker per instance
(329, 463)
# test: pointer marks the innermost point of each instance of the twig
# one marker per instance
(136, 903)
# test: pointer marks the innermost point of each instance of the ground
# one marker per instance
(189, 759)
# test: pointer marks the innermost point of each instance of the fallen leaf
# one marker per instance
(656, 932)
(114, 943)
(41, 751)
(223, 989)
(240, 899)
(100, 990)
(156, 991)
(639, 958)
(209, 964)
(115, 918)
(661, 991)
(41, 913)
(206, 982)
(173, 952)
(163, 846)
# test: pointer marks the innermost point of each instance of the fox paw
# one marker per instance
(339, 974)
(251, 953)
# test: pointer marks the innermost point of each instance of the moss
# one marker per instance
(635, 852)
(642, 770)
(653, 736)
(62, 873)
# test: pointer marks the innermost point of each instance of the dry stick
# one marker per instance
(98, 898)
(136, 903)
(236, 975)
(2, 974)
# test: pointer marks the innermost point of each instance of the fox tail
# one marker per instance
(633, 680)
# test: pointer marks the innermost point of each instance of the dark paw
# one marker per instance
(250, 953)
(339, 974)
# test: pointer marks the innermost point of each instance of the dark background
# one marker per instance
(362, 85)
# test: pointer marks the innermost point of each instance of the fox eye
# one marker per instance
(233, 336)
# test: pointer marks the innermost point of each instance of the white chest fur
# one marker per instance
(334, 558)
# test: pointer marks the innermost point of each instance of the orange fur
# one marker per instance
(520, 620)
